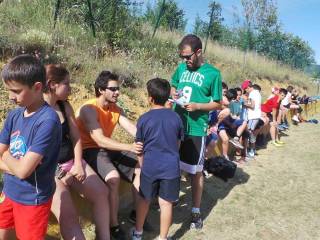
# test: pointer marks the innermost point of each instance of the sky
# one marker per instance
(300, 17)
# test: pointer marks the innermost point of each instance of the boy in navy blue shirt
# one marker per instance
(29, 147)
(160, 130)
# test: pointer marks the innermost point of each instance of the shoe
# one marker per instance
(236, 143)
(276, 144)
(251, 153)
(281, 128)
(295, 118)
(280, 142)
(117, 233)
(146, 226)
(196, 221)
(134, 235)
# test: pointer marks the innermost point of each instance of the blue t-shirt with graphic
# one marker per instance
(160, 130)
(39, 133)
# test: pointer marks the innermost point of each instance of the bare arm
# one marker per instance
(88, 116)
(190, 107)
(3, 166)
(127, 125)
(23, 167)
(77, 170)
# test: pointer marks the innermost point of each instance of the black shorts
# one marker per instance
(167, 189)
(103, 161)
(192, 151)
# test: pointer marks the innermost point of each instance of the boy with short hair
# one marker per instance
(29, 147)
(160, 130)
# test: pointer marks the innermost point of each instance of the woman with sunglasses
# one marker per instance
(72, 171)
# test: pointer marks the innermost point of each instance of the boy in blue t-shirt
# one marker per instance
(29, 147)
(160, 130)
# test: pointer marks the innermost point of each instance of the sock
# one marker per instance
(195, 210)
(160, 238)
(137, 232)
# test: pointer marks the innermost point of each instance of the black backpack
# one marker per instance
(220, 167)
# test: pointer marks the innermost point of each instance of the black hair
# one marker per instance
(191, 40)
(24, 69)
(231, 94)
(256, 87)
(159, 90)
(283, 90)
(102, 80)
(289, 88)
(238, 89)
(224, 85)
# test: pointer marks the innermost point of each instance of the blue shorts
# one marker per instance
(211, 137)
(167, 189)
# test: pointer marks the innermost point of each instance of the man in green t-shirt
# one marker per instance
(196, 90)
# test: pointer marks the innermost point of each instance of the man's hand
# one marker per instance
(191, 107)
(78, 172)
(137, 148)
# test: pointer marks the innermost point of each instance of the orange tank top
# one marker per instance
(107, 117)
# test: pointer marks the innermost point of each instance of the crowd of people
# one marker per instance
(46, 148)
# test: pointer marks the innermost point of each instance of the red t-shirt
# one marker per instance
(270, 104)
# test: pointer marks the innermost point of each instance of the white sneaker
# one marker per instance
(134, 235)
(295, 118)
(236, 143)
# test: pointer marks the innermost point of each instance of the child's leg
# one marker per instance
(7, 234)
(97, 193)
(225, 142)
(142, 209)
(165, 217)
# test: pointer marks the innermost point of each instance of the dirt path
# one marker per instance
(276, 196)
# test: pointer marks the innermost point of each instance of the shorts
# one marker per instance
(254, 124)
(211, 137)
(230, 125)
(29, 221)
(167, 189)
(64, 168)
(104, 161)
(287, 105)
(192, 151)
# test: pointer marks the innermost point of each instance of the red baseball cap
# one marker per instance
(245, 84)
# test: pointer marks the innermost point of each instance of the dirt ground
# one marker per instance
(276, 196)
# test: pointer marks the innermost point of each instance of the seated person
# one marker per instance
(109, 158)
(270, 111)
(72, 171)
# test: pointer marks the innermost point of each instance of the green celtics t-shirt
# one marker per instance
(198, 86)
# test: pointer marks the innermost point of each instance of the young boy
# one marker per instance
(160, 130)
(29, 147)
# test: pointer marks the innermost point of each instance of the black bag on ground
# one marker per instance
(220, 167)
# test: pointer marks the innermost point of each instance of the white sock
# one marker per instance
(137, 232)
(195, 210)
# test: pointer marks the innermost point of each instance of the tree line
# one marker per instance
(256, 27)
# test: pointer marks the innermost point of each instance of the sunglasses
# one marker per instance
(113, 89)
(186, 57)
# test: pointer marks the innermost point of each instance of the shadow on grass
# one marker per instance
(214, 190)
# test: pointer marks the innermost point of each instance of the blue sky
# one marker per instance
(300, 17)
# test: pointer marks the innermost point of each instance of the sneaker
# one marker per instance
(134, 235)
(280, 142)
(276, 144)
(295, 118)
(251, 153)
(235, 142)
(281, 128)
(146, 226)
(117, 233)
(196, 221)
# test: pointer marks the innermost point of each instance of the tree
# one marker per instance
(172, 17)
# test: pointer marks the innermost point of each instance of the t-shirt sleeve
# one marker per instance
(216, 90)
(175, 78)
(47, 134)
(6, 130)
(139, 137)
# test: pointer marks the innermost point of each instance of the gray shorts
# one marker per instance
(103, 161)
